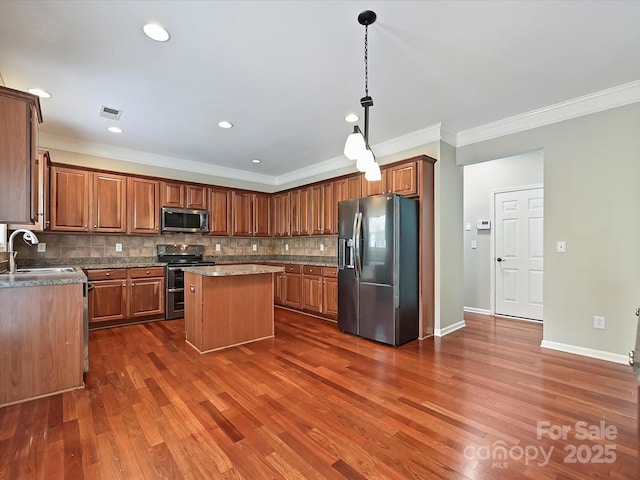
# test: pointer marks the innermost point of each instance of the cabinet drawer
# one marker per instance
(293, 268)
(143, 272)
(107, 274)
(330, 272)
(311, 270)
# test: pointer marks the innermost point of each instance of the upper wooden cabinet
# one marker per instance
(280, 215)
(183, 195)
(109, 201)
(300, 211)
(43, 188)
(143, 204)
(376, 187)
(69, 198)
(251, 214)
(403, 179)
(219, 212)
(20, 116)
(321, 208)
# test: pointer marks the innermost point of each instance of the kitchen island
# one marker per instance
(228, 305)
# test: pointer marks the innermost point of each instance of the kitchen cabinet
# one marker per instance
(20, 116)
(300, 211)
(279, 287)
(124, 294)
(293, 286)
(251, 214)
(143, 205)
(183, 195)
(280, 215)
(322, 208)
(42, 202)
(41, 340)
(69, 198)
(376, 187)
(219, 212)
(84, 201)
(403, 179)
(312, 288)
(345, 188)
(330, 292)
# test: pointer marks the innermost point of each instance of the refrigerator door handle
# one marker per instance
(357, 225)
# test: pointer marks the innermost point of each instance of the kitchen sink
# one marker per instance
(45, 270)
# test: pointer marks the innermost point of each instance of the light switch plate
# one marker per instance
(217, 247)
(286, 247)
(42, 247)
(118, 247)
(474, 244)
(254, 247)
(467, 226)
(322, 247)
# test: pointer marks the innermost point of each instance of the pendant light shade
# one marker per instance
(355, 144)
(373, 173)
(365, 160)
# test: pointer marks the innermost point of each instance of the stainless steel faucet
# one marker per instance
(29, 238)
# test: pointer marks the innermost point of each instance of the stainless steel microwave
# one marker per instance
(184, 220)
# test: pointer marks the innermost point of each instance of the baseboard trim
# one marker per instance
(586, 352)
(441, 332)
(481, 311)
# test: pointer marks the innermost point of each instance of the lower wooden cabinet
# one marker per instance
(309, 288)
(125, 294)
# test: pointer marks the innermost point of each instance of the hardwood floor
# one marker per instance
(315, 403)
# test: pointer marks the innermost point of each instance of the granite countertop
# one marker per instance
(34, 279)
(226, 270)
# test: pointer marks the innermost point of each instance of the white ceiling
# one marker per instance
(286, 73)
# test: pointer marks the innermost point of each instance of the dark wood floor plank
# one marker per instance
(315, 403)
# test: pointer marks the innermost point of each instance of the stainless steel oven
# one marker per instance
(177, 257)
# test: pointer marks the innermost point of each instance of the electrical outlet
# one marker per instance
(254, 247)
(474, 244)
(42, 247)
(218, 247)
(599, 322)
(286, 247)
(118, 247)
(322, 247)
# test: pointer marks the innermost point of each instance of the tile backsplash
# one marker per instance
(66, 245)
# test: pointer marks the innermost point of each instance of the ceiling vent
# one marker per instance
(110, 113)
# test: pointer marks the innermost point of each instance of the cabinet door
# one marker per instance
(196, 196)
(146, 297)
(262, 215)
(330, 297)
(403, 179)
(109, 193)
(143, 205)
(42, 201)
(329, 226)
(354, 186)
(172, 194)
(374, 188)
(242, 213)
(278, 288)
(312, 289)
(316, 210)
(300, 211)
(108, 300)
(293, 290)
(219, 212)
(280, 214)
(19, 118)
(69, 199)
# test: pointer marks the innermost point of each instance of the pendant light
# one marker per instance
(357, 145)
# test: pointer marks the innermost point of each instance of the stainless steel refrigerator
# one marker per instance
(378, 264)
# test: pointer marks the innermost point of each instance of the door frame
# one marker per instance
(492, 242)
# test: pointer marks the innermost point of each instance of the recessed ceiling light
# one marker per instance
(114, 130)
(352, 118)
(225, 124)
(256, 160)
(155, 32)
(39, 92)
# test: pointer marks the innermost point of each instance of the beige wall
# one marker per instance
(591, 172)
(480, 180)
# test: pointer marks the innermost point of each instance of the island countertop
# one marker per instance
(227, 270)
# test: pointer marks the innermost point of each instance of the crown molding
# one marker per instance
(146, 158)
(577, 107)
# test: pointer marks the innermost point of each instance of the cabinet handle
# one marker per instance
(147, 272)
(124, 285)
(133, 284)
(85, 226)
(95, 226)
(192, 288)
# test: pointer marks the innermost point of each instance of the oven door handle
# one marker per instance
(174, 290)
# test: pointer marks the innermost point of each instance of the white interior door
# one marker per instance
(518, 238)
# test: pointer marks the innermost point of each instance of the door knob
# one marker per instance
(501, 259)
